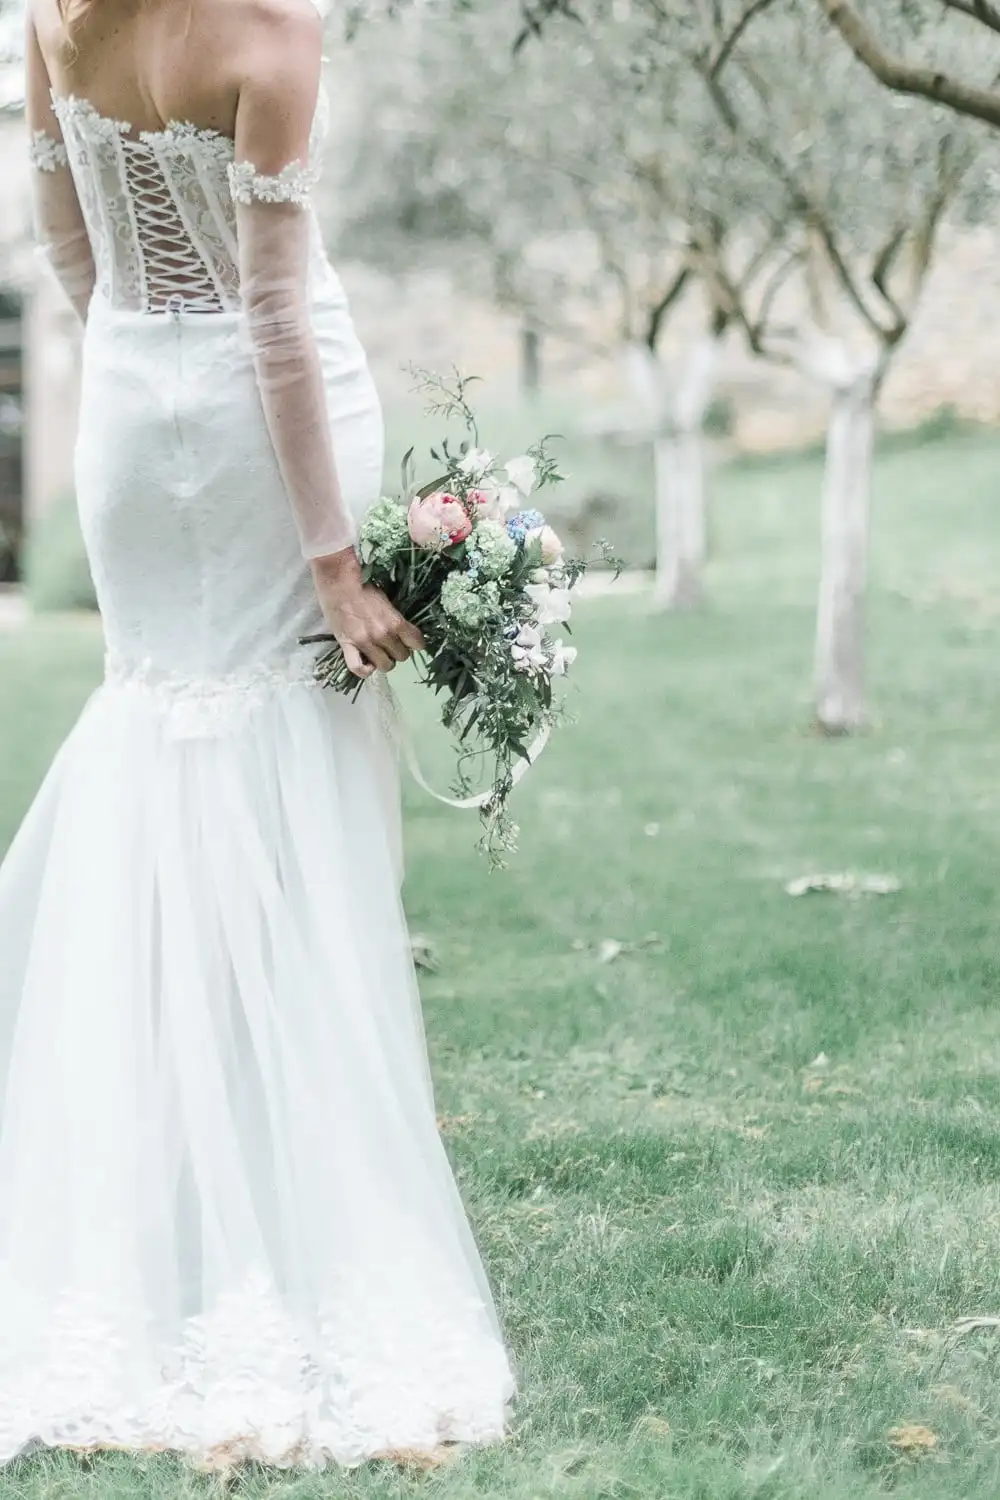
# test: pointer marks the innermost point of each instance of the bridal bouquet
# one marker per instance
(471, 560)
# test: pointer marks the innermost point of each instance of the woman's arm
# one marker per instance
(271, 182)
(59, 224)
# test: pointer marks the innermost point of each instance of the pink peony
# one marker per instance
(438, 521)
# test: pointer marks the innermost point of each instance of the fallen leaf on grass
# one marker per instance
(843, 883)
(910, 1438)
(423, 953)
(608, 949)
(950, 1395)
(970, 1325)
(455, 1122)
(653, 1425)
(419, 1460)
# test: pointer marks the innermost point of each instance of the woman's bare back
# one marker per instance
(155, 61)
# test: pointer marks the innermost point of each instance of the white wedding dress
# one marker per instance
(228, 1226)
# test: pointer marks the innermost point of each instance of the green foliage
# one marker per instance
(731, 1270)
(57, 574)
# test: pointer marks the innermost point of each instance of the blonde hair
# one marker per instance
(75, 13)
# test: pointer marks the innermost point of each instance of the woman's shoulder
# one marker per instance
(265, 35)
(270, 44)
(277, 20)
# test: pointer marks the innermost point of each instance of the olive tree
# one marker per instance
(944, 51)
(806, 171)
(866, 186)
(597, 199)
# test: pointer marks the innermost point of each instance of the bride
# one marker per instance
(227, 1224)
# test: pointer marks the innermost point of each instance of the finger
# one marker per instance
(395, 647)
(379, 658)
(410, 636)
(355, 661)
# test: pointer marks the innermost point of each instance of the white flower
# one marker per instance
(528, 650)
(554, 606)
(508, 499)
(563, 658)
(522, 473)
(495, 500)
(552, 547)
(477, 463)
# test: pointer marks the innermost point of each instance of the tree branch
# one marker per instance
(977, 10)
(953, 163)
(801, 202)
(902, 77)
(731, 42)
(659, 311)
(881, 271)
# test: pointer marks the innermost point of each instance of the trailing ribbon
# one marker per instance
(394, 722)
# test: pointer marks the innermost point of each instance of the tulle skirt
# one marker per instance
(228, 1226)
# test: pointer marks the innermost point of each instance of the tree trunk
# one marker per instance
(846, 518)
(678, 407)
(678, 467)
(531, 360)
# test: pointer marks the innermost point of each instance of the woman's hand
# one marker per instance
(373, 635)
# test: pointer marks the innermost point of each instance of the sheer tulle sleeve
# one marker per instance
(60, 230)
(275, 226)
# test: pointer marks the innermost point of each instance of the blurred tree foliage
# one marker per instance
(944, 51)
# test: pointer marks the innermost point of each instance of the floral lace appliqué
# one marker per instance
(46, 153)
(181, 135)
(371, 1368)
(293, 184)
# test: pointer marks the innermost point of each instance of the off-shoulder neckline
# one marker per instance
(174, 131)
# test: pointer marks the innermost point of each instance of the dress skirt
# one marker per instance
(228, 1226)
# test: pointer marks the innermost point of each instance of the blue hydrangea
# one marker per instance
(524, 521)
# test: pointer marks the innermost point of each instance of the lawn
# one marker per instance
(737, 1184)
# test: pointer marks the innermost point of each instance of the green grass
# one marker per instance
(727, 1272)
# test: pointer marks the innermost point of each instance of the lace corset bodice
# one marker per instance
(160, 206)
(175, 221)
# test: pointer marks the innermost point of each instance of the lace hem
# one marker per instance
(208, 707)
(293, 184)
(45, 153)
(375, 1368)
